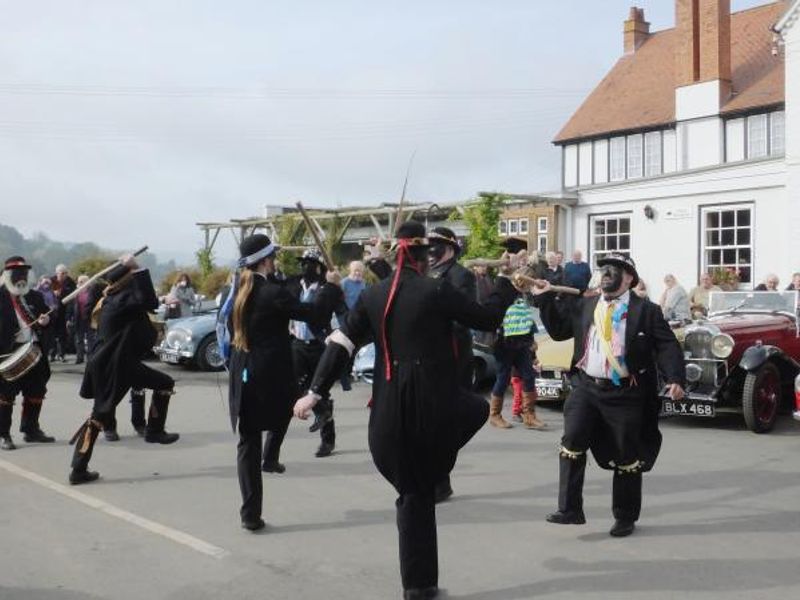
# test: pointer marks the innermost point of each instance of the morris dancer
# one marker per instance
(419, 418)
(621, 343)
(124, 336)
(22, 313)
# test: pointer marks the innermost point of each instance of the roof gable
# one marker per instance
(639, 91)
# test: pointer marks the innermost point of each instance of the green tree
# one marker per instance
(90, 265)
(482, 217)
(205, 261)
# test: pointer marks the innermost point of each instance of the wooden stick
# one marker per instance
(310, 226)
(486, 262)
(553, 288)
(398, 219)
(97, 276)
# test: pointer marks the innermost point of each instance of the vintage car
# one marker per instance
(191, 341)
(552, 382)
(743, 358)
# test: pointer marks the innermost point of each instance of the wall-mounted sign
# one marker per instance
(678, 213)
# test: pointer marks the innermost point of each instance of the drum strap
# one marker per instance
(22, 311)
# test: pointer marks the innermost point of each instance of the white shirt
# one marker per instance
(594, 361)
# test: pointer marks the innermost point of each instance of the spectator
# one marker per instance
(576, 272)
(674, 301)
(84, 305)
(640, 289)
(483, 282)
(553, 273)
(699, 297)
(560, 258)
(180, 300)
(353, 284)
(770, 284)
(795, 285)
(63, 285)
(44, 287)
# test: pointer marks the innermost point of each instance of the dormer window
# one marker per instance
(635, 158)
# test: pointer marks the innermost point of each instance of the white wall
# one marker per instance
(700, 143)
(585, 163)
(734, 139)
(670, 242)
(697, 101)
(670, 151)
(601, 161)
(570, 165)
(792, 50)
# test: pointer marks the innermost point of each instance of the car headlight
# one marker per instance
(177, 338)
(722, 345)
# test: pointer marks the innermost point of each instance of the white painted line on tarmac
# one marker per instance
(168, 532)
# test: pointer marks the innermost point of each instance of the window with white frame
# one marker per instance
(502, 227)
(542, 243)
(652, 153)
(513, 226)
(616, 151)
(777, 133)
(541, 225)
(609, 233)
(635, 156)
(757, 136)
(727, 238)
(523, 226)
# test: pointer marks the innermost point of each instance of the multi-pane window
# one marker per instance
(542, 243)
(609, 233)
(502, 227)
(757, 136)
(617, 159)
(523, 226)
(513, 227)
(728, 240)
(777, 133)
(541, 225)
(652, 153)
(635, 156)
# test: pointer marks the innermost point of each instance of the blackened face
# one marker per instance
(610, 278)
(16, 281)
(311, 270)
(436, 253)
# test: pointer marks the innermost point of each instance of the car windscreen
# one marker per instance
(752, 301)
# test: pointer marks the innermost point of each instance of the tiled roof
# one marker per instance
(639, 91)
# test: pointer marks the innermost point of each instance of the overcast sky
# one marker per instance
(125, 122)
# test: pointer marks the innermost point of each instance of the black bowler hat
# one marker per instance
(255, 248)
(620, 260)
(514, 245)
(16, 262)
(444, 235)
(414, 232)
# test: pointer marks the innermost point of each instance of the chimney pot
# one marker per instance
(635, 30)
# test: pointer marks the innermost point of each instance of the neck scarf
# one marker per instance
(608, 317)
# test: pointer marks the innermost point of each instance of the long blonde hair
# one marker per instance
(240, 341)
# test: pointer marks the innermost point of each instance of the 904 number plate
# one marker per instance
(691, 408)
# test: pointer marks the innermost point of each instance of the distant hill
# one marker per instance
(44, 254)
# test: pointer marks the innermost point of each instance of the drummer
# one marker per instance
(23, 314)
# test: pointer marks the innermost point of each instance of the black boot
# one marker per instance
(570, 491)
(110, 430)
(137, 412)
(29, 423)
(328, 440)
(443, 489)
(84, 440)
(6, 410)
(155, 433)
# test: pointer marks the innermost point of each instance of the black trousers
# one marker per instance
(616, 413)
(416, 527)
(248, 468)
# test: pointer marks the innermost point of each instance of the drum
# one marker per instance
(22, 360)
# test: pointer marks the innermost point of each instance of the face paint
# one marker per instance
(611, 278)
(436, 253)
(310, 271)
(16, 281)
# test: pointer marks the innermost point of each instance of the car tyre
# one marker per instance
(207, 357)
(761, 397)
(478, 373)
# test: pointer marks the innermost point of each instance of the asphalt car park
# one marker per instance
(720, 518)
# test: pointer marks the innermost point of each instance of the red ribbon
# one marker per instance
(403, 254)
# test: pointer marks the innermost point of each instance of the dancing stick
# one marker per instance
(97, 276)
(553, 288)
(310, 226)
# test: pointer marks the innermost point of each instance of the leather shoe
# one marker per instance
(6, 443)
(325, 449)
(256, 525)
(622, 528)
(141, 430)
(161, 437)
(420, 593)
(111, 435)
(567, 518)
(273, 466)
(38, 436)
(79, 477)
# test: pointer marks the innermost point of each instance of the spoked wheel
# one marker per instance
(761, 397)
(208, 357)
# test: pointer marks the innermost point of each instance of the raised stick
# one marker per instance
(97, 276)
(312, 228)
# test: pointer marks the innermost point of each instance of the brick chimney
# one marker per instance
(703, 43)
(636, 30)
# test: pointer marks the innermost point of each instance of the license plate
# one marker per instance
(691, 408)
(170, 358)
(548, 391)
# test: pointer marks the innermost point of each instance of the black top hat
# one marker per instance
(621, 260)
(16, 262)
(413, 230)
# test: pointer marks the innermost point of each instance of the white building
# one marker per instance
(679, 155)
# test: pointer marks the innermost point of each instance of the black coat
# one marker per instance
(34, 306)
(650, 348)
(413, 436)
(263, 399)
(124, 337)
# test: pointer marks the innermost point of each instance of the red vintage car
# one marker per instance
(743, 358)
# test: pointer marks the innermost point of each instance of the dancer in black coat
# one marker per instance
(622, 342)
(419, 419)
(263, 386)
(124, 337)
